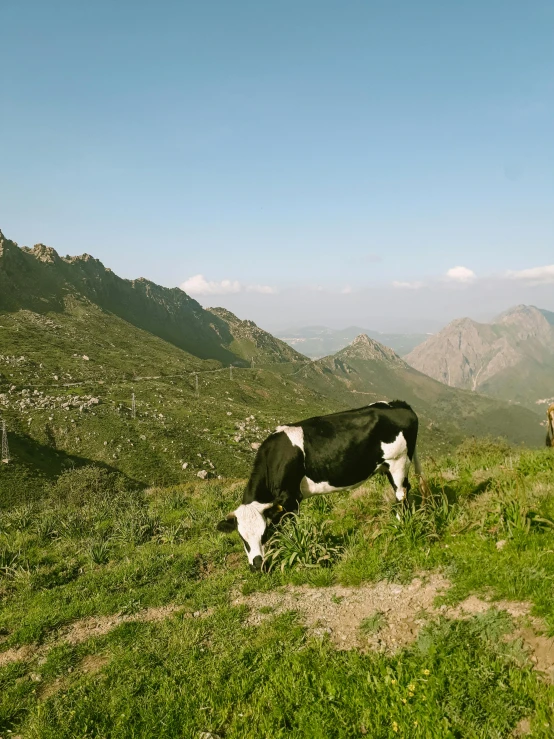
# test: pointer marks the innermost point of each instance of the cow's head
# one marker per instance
(251, 522)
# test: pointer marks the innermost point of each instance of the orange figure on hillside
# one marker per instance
(550, 426)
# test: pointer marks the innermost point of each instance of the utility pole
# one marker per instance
(5, 449)
(252, 362)
(133, 407)
(196, 386)
(230, 371)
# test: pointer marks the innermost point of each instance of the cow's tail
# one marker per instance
(423, 486)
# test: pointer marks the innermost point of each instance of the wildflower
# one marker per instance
(411, 688)
(426, 672)
(416, 723)
(394, 726)
(404, 700)
(393, 682)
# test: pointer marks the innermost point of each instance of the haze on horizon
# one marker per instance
(369, 163)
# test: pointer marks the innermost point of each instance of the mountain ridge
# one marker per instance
(512, 357)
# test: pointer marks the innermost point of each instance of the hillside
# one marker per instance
(369, 371)
(70, 366)
(41, 281)
(127, 615)
(320, 341)
(511, 358)
(251, 342)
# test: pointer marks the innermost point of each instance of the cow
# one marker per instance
(550, 426)
(321, 455)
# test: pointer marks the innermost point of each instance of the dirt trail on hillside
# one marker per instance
(383, 617)
(338, 611)
(86, 628)
(386, 617)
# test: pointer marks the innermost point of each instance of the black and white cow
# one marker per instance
(321, 455)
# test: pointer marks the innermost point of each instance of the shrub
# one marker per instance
(530, 463)
(136, 525)
(88, 485)
(99, 552)
(300, 542)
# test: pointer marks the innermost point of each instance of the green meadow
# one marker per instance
(124, 613)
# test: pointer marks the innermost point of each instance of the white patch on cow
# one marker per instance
(295, 434)
(251, 525)
(396, 456)
(309, 487)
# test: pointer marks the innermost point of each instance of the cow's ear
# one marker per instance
(228, 524)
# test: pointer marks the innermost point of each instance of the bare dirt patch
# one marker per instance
(87, 628)
(340, 611)
(15, 655)
(473, 606)
(386, 617)
(539, 647)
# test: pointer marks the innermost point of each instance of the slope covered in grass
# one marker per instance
(125, 613)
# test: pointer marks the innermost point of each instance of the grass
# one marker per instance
(97, 548)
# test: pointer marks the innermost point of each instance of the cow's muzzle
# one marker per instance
(256, 565)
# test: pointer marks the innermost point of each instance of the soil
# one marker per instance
(383, 617)
(339, 611)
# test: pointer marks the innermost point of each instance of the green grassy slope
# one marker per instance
(118, 615)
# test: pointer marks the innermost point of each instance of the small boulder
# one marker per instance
(202, 474)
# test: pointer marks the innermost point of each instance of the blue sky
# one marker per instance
(323, 162)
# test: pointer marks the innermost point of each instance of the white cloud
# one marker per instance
(264, 289)
(408, 285)
(534, 275)
(461, 274)
(199, 285)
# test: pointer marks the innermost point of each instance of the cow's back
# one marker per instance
(349, 445)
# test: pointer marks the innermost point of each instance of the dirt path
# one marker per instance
(86, 628)
(383, 617)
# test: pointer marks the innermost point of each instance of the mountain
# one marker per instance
(510, 358)
(141, 379)
(41, 281)
(320, 341)
(251, 342)
(369, 371)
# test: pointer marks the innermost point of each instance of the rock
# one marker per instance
(501, 544)
(185, 465)
(255, 445)
(203, 474)
(85, 358)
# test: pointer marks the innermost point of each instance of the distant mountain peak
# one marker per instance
(365, 348)
(510, 357)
